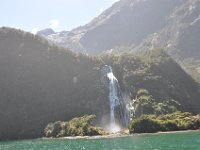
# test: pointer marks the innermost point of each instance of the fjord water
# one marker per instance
(162, 141)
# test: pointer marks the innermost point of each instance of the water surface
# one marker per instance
(162, 141)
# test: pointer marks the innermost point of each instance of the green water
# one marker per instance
(167, 141)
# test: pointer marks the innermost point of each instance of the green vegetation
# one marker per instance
(146, 104)
(76, 127)
(157, 72)
(41, 83)
(169, 122)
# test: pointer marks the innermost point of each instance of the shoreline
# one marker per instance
(167, 132)
(89, 137)
(102, 137)
(116, 135)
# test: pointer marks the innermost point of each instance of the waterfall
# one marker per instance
(113, 96)
(119, 113)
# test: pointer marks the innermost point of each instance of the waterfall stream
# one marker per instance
(119, 114)
(113, 97)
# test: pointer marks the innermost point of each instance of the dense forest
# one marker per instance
(42, 83)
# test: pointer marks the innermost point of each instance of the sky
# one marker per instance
(34, 15)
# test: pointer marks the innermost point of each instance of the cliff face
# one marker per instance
(42, 83)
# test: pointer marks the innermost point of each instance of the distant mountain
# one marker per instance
(46, 32)
(138, 25)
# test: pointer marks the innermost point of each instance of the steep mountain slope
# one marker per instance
(180, 37)
(42, 83)
(138, 25)
(127, 22)
(159, 73)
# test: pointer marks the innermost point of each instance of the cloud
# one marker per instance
(54, 23)
(114, 1)
(102, 9)
(34, 30)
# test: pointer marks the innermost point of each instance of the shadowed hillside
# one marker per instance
(42, 83)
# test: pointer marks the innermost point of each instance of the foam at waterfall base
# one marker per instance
(113, 128)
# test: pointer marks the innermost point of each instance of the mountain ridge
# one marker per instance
(132, 25)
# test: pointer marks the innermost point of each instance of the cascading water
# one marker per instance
(119, 113)
(113, 96)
